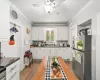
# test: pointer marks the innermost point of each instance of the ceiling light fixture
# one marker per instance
(50, 4)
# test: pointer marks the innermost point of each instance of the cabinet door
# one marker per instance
(67, 54)
(18, 76)
(46, 51)
(54, 52)
(59, 52)
(34, 53)
(14, 76)
(59, 37)
(4, 20)
(41, 33)
(62, 33)
(40, 53)
(35, 34)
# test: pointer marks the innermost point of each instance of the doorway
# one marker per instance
(73, 35)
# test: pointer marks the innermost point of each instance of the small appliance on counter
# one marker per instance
(62, 43)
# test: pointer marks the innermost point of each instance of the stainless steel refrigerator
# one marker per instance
(82, 61)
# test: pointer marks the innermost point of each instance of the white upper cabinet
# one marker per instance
(35, 33)
(62, 33)
(4, 20)
(41, 33)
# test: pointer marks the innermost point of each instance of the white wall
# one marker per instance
(88, 12)
(24, 23)
(98, 48)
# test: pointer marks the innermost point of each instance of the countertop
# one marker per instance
(6, 61)
(2, 69)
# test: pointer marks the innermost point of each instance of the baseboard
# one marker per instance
(66, 59)
(37, 60)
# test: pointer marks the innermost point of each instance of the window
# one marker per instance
(50, 34)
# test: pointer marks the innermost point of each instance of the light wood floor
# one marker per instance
(28, 72)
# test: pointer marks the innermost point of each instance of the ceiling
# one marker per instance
(63, 13)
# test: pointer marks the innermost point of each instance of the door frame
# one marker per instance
(70, 39)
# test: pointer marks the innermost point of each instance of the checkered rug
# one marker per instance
(47, 73)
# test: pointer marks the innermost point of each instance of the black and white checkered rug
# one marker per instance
(47, 72)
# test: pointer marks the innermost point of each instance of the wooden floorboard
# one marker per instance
(29, 72)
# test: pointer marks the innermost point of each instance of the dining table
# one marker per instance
(40, 73)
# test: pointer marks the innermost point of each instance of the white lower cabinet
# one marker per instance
(53, 52)
(13, 70)
(14, 76)
(34, 53)
(39, 53)
(46, 52)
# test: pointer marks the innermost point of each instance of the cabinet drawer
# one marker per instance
(13, 76)
(13, 67)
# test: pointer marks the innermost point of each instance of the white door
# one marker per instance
(73, 35)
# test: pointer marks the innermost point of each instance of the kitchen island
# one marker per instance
(40, 74)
